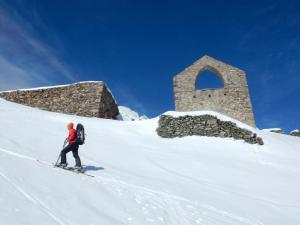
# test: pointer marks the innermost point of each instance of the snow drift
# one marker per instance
(141, 178)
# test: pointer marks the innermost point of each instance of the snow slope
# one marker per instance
(141, 178)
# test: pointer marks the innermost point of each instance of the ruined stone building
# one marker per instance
(232, 100)
(90, 99)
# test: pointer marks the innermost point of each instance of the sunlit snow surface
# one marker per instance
(141, 178)
(127, 114)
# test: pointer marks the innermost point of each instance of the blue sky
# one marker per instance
(137, 47)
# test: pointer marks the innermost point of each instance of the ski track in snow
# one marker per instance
(41, 205)
(154, 204)
(222, 188)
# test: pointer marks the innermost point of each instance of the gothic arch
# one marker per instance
(209, 73)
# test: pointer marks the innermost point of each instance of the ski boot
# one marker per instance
(79, 169)
(62, 165)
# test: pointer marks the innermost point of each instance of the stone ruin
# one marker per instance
(232, 100)
(90, 99)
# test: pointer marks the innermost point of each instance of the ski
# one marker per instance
(74, 170)
(71, 169)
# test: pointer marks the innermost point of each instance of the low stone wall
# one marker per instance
(203, 125)
(90, 99)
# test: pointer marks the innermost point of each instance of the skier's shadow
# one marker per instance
(93, 168)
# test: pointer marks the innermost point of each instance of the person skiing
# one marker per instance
(72, 146)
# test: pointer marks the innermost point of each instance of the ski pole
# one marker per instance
(58, 159)
(60, 152)
(65, 142)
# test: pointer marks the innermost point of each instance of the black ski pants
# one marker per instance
(70, 147)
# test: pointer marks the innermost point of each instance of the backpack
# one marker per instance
(80, 135)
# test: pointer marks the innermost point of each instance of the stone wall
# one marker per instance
(203, 125)
(91, 99)
(233, 100)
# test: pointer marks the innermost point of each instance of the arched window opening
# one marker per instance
(208, 80)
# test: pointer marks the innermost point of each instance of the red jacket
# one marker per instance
(72, 136)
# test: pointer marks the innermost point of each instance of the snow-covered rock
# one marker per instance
(128, 114)
(141, 178)
(274, 130)
(295, 132)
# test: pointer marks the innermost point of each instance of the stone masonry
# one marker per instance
(90, 99)
(204, 125)
(232, 100)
